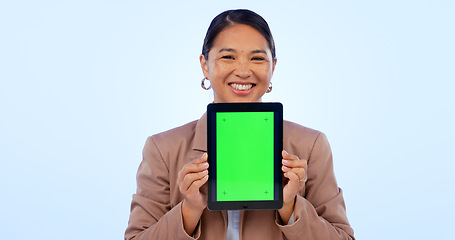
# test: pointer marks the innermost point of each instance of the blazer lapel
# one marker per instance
(200, 136)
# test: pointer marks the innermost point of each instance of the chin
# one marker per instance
(244, 100)
(238, 99)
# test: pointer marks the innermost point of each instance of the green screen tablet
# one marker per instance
(244, 146)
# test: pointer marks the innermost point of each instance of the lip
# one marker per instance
(242, 92)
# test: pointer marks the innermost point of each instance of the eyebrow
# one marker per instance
(233, 50)
(259, 51)
(227, 50)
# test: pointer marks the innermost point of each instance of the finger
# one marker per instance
(285, 169)
(196, 167)
(289, 156)
(203, 158)
(190, 178)
(196, 185)
(191, 168)
(294, 163)
(301, 173)
(294, 182)
(292, 176)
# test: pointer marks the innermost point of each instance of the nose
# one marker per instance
(243, 69)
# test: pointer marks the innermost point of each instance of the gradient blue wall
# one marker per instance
(83, 83)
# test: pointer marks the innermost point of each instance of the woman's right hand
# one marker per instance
(190, 179)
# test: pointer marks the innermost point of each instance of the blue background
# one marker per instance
(83, 83)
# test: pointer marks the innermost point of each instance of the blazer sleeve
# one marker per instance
(152, 216)
(319, 211)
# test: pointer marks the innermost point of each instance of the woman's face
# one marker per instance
(239, 65)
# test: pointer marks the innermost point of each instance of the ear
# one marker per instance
(274, 64)
(205, 68)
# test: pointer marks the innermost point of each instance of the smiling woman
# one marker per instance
(238, 58)
(239, 65)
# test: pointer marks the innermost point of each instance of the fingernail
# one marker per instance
(205, 164)
(285, 161)
(285, 152)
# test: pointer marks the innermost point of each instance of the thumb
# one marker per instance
(293, 184)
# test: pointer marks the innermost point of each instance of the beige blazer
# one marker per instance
(156, 207)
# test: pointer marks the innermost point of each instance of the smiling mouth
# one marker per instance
(241, 87)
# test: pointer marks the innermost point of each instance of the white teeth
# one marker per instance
(241, 87)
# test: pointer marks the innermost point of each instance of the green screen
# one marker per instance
(244, 156)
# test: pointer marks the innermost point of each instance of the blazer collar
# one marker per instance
(200, 136)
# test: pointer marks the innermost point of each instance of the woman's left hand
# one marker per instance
(295, 170)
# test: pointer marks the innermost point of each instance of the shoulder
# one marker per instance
(175, 136)
(294, 130)
(301, 140)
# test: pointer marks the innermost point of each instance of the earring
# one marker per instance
(203, 84)
(270, 88)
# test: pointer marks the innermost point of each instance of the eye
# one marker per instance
(257, 59)
(228, 57)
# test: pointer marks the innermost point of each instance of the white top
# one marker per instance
(233, 232)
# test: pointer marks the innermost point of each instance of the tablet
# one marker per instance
(244, 145)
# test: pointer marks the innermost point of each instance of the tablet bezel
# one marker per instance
(277, 109)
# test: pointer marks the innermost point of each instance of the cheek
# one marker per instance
(264, 71)
(219, 70)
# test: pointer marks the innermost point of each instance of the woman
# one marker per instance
(238, 58)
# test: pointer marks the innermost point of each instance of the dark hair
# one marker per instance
(239, 16)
